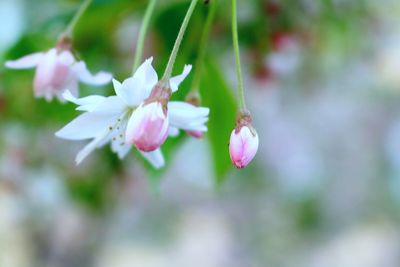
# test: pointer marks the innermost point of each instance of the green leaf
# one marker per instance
(219, 98)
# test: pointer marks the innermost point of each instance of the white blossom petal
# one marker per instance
(154, 157)
(187, 117)
(121, 149)
(174, 82)
(138, 87)
(100, 78)
(146, 73)
(73, 87)
(86, 126)
(88, 103)
(118, 144)
(66, 57)
(25, 62)
(112, 105)
(91, 146)
(117, 88)
(173, 131)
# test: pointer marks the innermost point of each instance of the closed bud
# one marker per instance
(243, 144)
(148, 126)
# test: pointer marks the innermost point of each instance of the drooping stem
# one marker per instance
(242, 102)
(203, 47)
(178, 41)
(142, 35)
(70, 28)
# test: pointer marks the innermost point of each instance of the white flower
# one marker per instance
(56, 71)
(106, 118)
(149, 124)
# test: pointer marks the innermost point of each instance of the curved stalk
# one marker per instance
(242, 102)
(142, 35)
(178, 41)
(71, 26)
(203, 47)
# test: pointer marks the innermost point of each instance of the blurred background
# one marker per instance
(322, 80)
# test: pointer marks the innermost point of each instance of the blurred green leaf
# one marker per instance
(219, 98)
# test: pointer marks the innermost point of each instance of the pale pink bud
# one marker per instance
(196, 134)
(148, 127)
(243, 145)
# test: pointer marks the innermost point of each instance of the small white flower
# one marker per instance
(56, 71)
(148, 127)
(106, 118)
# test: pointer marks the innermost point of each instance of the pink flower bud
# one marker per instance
(196, 134)
(148, 127)
(243, 145)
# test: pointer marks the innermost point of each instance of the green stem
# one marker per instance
(178, 41)
(242, 102)
(203, 47)
(142, 35)
(77, 16)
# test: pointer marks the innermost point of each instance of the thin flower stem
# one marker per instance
(77, 16)
(242, 102)
(203, 47)
(142, 35)
(178, 41)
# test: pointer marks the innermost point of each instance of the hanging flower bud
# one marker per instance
(148, 126)
(243, 143)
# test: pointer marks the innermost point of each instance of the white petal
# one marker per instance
(100, 78)
(112, 105)
(177, 80)
(138, 87)
(188, 117)
(155, 158)
(73, 85)
(120, 92)
(118, 144)
(88, 103)
(86, 126)
(90, 147)
(25, 62)
(146, 74)
(66, 57)
(121, 149)
(117, 87)
(73, 88)
(187, 109)
(46, 82)
(173, 131)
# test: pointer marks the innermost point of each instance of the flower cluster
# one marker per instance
(137, 115)
(140, 114)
